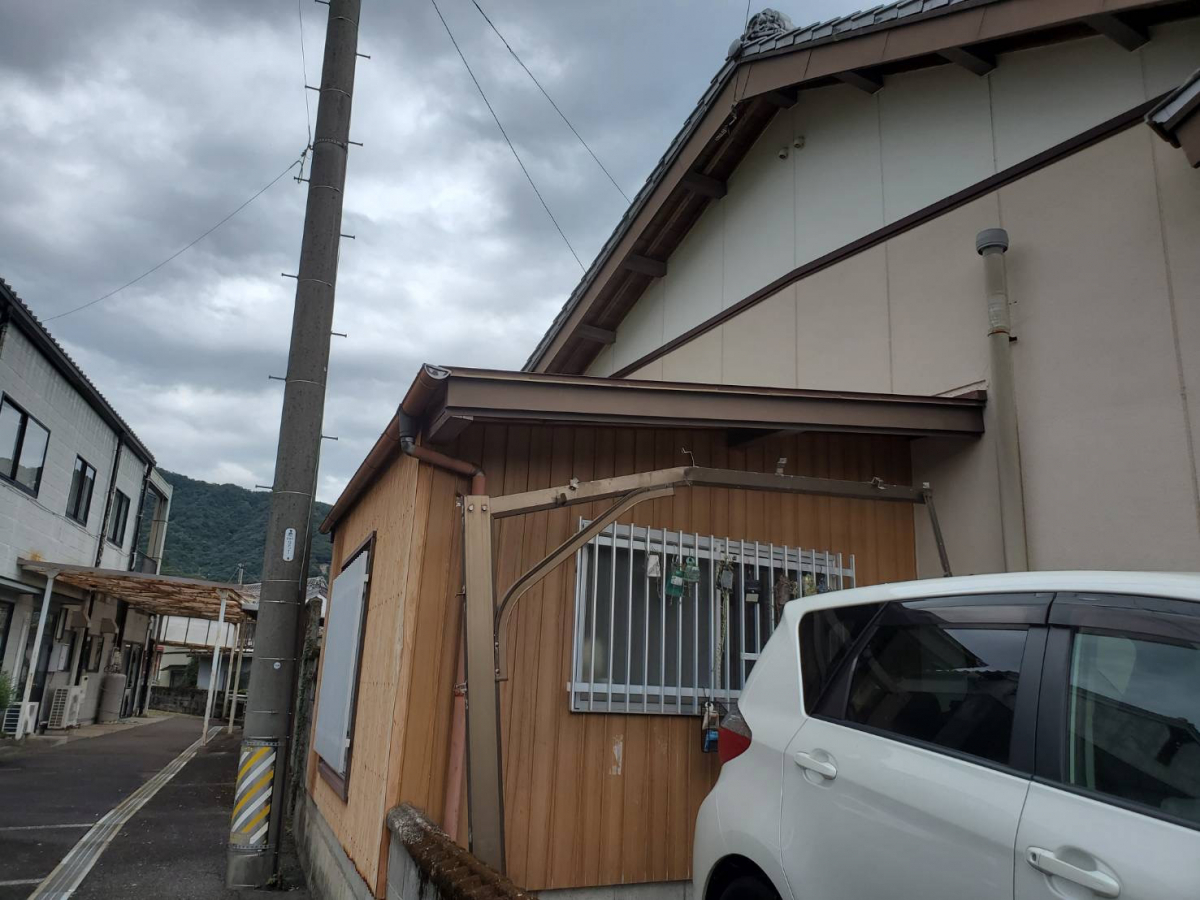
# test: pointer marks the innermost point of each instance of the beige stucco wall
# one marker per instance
(869, 160)
(1104, 279)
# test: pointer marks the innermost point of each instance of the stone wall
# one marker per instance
(187, 700)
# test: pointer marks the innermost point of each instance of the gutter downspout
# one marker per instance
(991, 244)
(408, 429)
(108, 502)
(137, 522)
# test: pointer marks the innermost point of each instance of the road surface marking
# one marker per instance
(20, 881)
(74, 867)
(40, 827)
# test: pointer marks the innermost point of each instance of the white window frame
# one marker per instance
(337, 697)
(682, 692)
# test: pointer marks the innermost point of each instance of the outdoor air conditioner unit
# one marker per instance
(58, 707)
(75, 704)
(12, 716)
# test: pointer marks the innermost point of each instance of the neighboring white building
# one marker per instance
(77, 487)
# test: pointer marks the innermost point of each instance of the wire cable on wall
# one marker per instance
(182, 250)
(550, 99)
(504, 133)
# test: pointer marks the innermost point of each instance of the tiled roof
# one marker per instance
(855, 23)
(40, 335)
(317, 587)
(878, 18)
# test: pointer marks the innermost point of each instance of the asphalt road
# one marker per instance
(53, 796)
(174, 846)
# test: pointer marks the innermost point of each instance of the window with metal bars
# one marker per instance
(644, 644)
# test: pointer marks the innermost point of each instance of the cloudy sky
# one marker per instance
(131, 128)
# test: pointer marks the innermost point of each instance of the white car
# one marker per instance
(1005, 737)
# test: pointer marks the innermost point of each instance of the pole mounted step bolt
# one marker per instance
(991, 239)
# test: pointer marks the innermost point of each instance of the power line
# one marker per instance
(258, 194)
(561, 114)
(304, 67)
(487, 103)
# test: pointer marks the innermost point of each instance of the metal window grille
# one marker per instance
(637, 649)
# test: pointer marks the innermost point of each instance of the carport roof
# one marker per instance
(164, 595)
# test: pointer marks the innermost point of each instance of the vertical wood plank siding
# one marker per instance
(590, 799)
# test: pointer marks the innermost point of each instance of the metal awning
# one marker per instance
(163, 595)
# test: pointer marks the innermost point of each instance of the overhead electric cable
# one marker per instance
(487, 103)
(182, 250)
(550, 99)
(304, 67)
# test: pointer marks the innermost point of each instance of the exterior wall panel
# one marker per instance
(590, 799)
(868, 160)
(1107, 466)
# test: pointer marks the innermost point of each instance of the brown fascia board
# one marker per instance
(463, 396)
(886, 43)
(488, 396)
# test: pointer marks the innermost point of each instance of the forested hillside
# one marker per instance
(213, 527)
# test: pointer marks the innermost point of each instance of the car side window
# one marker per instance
(826, 636)
(955, 687)
(1133, 721)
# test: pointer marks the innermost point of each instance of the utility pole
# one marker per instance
(258, 820)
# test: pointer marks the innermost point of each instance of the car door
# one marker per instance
(908, 778)
(1115, 806)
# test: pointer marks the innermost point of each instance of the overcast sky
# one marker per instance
(131, 128)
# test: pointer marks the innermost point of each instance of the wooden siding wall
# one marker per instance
(590, 799)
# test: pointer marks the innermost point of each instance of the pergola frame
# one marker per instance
(487, 620)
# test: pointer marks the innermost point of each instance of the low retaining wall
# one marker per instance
(425, 864)
(180, 700)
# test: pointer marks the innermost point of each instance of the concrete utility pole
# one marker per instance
(258, 816)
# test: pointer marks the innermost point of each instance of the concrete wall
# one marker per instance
(868, 160)
(38, 526)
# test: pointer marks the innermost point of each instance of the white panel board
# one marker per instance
(1044, 96)
(936, 126)
(642, 329)
(343, 637)
(694, 274)
(839, 190)
(759, 221)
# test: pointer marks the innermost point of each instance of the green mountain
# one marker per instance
(213, 527)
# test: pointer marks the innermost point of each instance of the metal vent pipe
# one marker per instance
(992, 244)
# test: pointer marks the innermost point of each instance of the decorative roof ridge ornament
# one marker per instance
(761, 25)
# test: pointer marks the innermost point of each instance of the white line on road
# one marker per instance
(40, 827)
(74, 867)
(19, 881)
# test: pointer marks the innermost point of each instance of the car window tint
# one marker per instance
(826, 636)
(1134, 721)
(954, 687)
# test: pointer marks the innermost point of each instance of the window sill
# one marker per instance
(18, 486)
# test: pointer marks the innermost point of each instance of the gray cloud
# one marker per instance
(130, 128)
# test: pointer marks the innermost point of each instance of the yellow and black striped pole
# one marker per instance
(252, 798)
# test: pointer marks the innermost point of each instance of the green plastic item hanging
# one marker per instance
(675, 582)
(691, 571)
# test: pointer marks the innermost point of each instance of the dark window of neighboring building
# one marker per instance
(1134, 721)
(954, 687)
(79, 501)
(23, 443)
(120, 516)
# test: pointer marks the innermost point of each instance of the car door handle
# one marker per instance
(1095, 881)
(824, 768)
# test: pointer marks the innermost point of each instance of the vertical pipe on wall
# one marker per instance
(991, 244)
